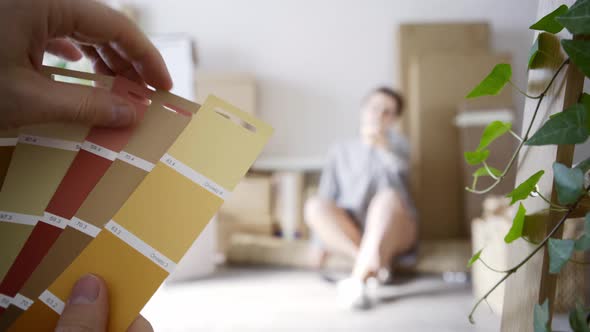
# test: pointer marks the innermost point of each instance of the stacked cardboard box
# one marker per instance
(248, 210)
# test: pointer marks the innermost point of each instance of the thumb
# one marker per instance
(51, 101)
(87, 308)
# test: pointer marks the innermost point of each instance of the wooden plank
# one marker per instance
(438, 85)
(415, 39)
(532, 283)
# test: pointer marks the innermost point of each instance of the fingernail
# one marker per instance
(123, 114)
(85, 290)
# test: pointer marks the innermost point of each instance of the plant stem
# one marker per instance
(490, 173)
(522, 92)
(516, 136)
(513, 270)
(491, 268)
(557, 207)
(540, 98)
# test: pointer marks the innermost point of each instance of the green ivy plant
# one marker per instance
(571, 126)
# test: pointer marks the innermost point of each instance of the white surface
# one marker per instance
(194, 176)
(177, 51)
(242, 299)
(52, 301)
(482, 118)
(19, 218)
(54, 143)
(135, 161)
(315, 60)
(22, 302)
(100, 151)
(54, 220)
(8, 141)
(84, 227)
(302, 164)
(142, 247)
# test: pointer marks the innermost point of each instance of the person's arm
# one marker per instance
(70, 29)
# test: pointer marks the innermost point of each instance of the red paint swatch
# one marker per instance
(86, 170)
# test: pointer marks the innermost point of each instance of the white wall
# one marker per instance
(315, 60)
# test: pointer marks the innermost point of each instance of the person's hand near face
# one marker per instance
(70, 29)
(378, 115)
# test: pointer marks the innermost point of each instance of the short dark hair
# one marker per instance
(399, 100)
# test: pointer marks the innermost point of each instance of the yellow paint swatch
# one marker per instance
(137, 250)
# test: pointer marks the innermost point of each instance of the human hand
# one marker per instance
(87, 309)
(70, 29)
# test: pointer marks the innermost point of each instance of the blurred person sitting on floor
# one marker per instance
(363, 208)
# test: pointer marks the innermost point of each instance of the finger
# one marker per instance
(87, 308)
(44, 100)
(64, 49)
(90, 21)
(140, 325)
(117, 64)
(98, 64)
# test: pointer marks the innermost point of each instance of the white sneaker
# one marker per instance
(352, 294)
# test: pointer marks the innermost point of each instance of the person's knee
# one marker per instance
(386, 196)
(312, 208)
(315, 207)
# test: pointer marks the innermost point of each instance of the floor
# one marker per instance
(255, 299)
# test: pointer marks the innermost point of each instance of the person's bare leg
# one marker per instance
(333, 226)
(389, 231)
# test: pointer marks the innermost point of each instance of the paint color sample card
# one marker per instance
(8, 139)
(165, 119)
(101, 147)
(145, 239)
(29, 184)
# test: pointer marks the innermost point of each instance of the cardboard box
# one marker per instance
(438, 86)
(237, 88)
(250, 201)
(417, 39)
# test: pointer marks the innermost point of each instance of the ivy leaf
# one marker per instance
(560, 252)
(548, 22)
(577, 319)
(474, 258)
(579, 52)
(515, 231)
(493, 83)
(476, 157)
(541, 317)
(569, 183)
(492, 132)
(586, 102)
(577, 18)
(583, 242)
(482, 171)
(567, 127)
(533, 53)
(524, 189)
